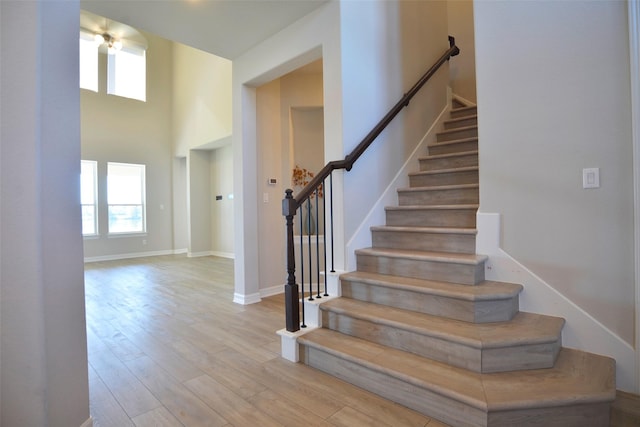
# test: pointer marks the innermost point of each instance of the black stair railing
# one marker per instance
(308, 201)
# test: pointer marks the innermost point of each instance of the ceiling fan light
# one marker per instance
(117, 45)
(98, 38)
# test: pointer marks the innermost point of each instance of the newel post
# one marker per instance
(291, 295)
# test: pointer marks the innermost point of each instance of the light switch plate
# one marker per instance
(591, 178)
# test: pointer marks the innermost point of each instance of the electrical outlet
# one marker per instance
(591, 178)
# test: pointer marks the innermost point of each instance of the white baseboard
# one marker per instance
(229, 255)
(88, 423)
(245, 299)
(128, 256)
(582, 331)
(199, 254)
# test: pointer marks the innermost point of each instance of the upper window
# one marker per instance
(126, 198)
(126, 66)
(88, 197)
(88, 62)
(127, 73)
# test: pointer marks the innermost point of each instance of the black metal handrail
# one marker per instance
(291, 204)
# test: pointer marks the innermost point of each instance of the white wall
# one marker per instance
(386, 48)
(221, 172)
(199, 202)
(553, 98)
(201, 98)
(117, 129)
(43, 353)
(462, 69)
(180, 207)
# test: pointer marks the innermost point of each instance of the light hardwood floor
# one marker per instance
(168, 347)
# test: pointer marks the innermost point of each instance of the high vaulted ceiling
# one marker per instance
(226, 28)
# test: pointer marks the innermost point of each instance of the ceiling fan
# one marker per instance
(110, 35)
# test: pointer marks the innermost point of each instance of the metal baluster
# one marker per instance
(317, 246)
(324, 233)
(333, 270)
(308, 202)
(301, 271)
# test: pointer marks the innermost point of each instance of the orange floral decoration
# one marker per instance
(301, 177)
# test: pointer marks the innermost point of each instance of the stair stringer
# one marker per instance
(361, 238)
(582, 331)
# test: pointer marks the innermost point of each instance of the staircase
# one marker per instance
(418, 324)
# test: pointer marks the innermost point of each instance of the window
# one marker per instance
(88, 197)
(126, 65)
(88, 62)
(126, 198)
(127, 73)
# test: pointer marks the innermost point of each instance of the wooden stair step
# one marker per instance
(486, 302)
(449, 176)
(528, 341)
(577, 391)
(439, 195)
(457, 133)
(432, 216)
(448, 160)
(463, 111)
(466, 269)
(439, 239)
(461, 121)
(454, 146)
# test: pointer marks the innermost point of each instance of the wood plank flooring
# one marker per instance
(168, 347)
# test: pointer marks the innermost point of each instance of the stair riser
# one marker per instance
(445, 178)
(469, 111)
(430, 403)
(535, 356)
(450, 353)
(454, 134)
(503, 359)
(462, 122)
(465, 196)
(432, 218)
(437, 242)
(466, 274)
(591, 414)
(465, 310)
(459, 147)
(436, 163)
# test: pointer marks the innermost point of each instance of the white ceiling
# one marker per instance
(226, 28)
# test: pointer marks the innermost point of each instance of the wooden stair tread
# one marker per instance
(462, 118)
(438, 188)
(487, 290)
(524, 328)
(469, 259)
(465, 108)
(425, 230)
(431, 207)
(454, 141)
(446, 155)
(454, 130)
(448, 170)
(577, 377)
